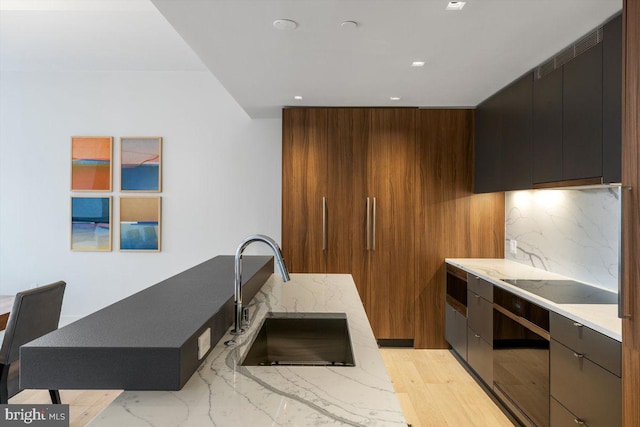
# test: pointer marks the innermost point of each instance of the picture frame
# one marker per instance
(140, 224)
(141, 164)
(91, 163)
(91, 223)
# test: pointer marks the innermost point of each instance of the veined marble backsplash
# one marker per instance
(569, 232)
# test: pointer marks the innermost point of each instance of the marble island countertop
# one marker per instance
(223, 393)
(600, 317)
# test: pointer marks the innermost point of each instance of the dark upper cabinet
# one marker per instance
(582, 115)
(563, 126)
(516, 127)
(487, 146)
(547, 127)
(612, 100)
(503, 139)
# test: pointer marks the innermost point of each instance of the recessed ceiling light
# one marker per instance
(297, 97)
(455, 5)
(285, 24)
(394, 98)
(417, 64)
(349, 25)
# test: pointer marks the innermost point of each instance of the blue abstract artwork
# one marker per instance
(91, 223)
(140, 164)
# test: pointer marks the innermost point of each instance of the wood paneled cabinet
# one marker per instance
(304, 183)
(348, 205)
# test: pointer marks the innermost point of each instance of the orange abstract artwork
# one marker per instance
(91, 163)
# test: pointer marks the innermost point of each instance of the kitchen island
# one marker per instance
(224, 393)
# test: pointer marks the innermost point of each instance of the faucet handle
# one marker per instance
(245, 316)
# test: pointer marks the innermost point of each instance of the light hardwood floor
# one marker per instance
(435, 390)
(84, 405)
(432, 387)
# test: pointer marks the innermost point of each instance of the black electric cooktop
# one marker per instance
(565, 291)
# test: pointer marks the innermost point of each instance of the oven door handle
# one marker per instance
(524, 322)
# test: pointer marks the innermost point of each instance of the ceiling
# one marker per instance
(468, 54)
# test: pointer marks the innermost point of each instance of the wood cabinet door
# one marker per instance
(304, 184)
(391, 182)
(346, 195)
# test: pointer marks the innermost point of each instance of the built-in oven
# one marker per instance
(521, 357)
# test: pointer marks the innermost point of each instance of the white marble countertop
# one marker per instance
(600, 317)
(222, 393)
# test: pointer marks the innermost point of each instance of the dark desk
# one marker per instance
(148, 341)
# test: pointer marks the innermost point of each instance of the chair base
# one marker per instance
(55, 397)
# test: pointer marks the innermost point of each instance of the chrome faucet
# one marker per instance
(237, 295)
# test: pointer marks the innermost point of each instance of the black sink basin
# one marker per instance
(302, 339)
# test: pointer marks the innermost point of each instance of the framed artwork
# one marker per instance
(141, 164)
(91, 163)
(140, 224)
(91, 223)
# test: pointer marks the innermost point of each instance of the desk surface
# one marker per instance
(147, 341)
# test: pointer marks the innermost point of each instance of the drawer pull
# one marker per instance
(477, 296)
(578, 325)
(477, 336)
(578, 355)
(477, 277)
(578, 421)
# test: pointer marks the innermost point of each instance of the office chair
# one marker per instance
(35, 312)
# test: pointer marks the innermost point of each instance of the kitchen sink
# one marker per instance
(302, 339)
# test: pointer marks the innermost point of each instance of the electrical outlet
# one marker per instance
(513, 246)
(204, 343)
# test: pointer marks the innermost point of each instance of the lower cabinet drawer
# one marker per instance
(587, 390)
(561, 417)
(480, 356)
(456, 330)
(480, 315)
(596, 347)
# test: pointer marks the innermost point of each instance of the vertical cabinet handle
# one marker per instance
(324, 223)
(368, 225)
(622, 300)
(373, 232)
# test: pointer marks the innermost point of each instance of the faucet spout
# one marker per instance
(237, 294)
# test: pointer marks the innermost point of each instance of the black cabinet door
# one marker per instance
(547, 127)
(582, 120)
(517, 134)
(480, 356)
(456, 330)
(487, 159)
(612, 100)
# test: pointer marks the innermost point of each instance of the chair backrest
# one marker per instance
(35, 312)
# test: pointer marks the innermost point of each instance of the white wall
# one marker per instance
(570, 232)
(221, 177)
